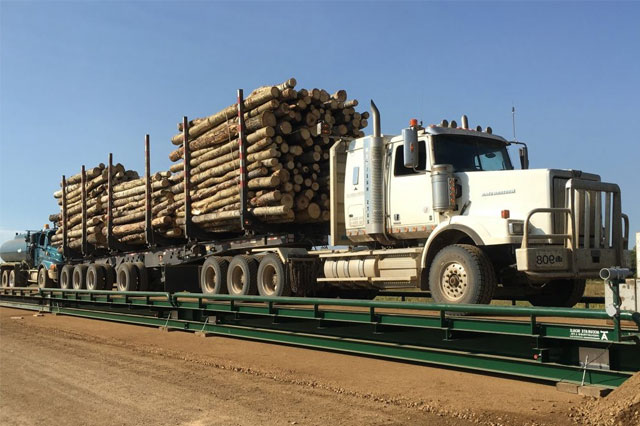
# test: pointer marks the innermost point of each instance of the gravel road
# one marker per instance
(70, 371)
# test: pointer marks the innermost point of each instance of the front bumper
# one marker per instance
(596, 235)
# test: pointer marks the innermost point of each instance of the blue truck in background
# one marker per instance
(30, 258)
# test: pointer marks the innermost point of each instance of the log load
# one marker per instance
(287, 170)
(287, 160)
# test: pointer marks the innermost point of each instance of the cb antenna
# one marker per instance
(513, 120)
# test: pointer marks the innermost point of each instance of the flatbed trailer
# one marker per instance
(175, 265)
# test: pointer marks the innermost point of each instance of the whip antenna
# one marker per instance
(513, 121)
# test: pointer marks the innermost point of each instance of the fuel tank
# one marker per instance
(15, 250)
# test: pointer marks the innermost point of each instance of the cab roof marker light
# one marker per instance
(444, 123)
(478, 128)
(453, 124)
(489, 130)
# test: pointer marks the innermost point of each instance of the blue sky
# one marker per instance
(81, 79)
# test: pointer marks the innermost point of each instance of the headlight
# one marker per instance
(516, 228)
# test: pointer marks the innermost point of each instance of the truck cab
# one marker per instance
(30, 258)
(442, 208)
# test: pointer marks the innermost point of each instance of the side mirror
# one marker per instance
(410, 137)
(524, 157)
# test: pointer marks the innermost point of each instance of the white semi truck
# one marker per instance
(439, 208)
(442, 208)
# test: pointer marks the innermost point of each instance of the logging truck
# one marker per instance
(439, 208)
(29, 258)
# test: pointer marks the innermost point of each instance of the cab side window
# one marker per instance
(398, 167)
(42, 238)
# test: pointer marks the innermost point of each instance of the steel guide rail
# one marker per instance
(526, 346)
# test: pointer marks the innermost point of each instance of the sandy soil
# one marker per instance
(71, 371)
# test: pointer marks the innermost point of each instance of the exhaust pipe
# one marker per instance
(376, 120)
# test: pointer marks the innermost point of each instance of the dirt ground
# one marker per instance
(70, 371)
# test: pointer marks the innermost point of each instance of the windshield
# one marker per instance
(471, 154)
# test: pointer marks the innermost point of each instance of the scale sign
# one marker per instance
(588, 333)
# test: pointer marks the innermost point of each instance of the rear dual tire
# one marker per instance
(272, 279)
(213, 276)
(242, 275)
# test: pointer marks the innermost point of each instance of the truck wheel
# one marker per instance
(559, 293)
(272, 280)
(127, 277)
(95, 277)
(109, 277)
(79, 277)
(241, 276)
(43, 279)
(12, 278)
(66, 277)
(143, 277)
(462, 274)
(5, 278)
(213, 276)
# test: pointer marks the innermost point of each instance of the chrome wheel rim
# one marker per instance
(454, 281)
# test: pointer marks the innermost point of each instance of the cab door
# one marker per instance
(409, 201)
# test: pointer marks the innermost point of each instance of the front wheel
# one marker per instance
(43, 279)
(462, 274)
(559, 293)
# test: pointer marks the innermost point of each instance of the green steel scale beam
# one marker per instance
(530, 342)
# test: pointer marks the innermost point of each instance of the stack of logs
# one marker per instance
(287, 159)
(128, 208)
(287, 170)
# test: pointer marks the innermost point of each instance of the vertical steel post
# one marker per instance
(83, 188)
(65, 246)
(188, 225)
(148, 231)
(110, 244)
(242, 152)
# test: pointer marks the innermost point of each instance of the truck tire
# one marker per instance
(213, 276)
(241, 276)
(95, 277)
(12, 278)
(271, 279)
(5, 278)
(43, 279)
(564, 293)
(79, 277)
(462, 274)
(66, 275)
(109, 277)
(127, 277)
(143, 276)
